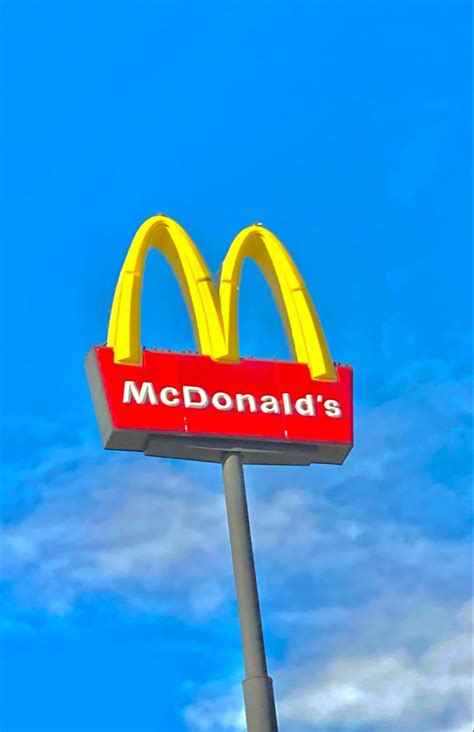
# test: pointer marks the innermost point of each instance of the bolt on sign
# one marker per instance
(201, 406)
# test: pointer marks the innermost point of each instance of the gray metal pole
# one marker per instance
(258, 688)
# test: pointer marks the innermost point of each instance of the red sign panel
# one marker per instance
(191, 406)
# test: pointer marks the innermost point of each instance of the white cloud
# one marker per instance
(152, 536)
(399, 689)
(157, 537)
(367, 569)
(363, 568)
(132, 526)
(424, 689)
(215, 713)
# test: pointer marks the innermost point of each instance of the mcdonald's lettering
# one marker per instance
(200, 406)
(195, 397)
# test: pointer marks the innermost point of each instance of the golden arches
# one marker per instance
(304, 332)
(194, 279)
(213, 314)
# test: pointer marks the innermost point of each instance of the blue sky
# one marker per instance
(345, 128)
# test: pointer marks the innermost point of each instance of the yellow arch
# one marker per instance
(213, 314)
(302, 326)
(194, 279)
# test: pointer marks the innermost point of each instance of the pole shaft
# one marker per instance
(258, 689)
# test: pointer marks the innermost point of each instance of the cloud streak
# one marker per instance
(152, 536)
(364, 569)
(414, 685)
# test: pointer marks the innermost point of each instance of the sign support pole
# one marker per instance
(257, 686)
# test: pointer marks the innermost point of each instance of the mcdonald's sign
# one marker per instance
(203, 405)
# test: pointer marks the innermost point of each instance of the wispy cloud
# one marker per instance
(367, 575)
(399, 667)
(418, 677)
(152, 536)
(365, 569)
